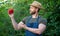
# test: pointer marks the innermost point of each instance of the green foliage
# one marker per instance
(21, 10)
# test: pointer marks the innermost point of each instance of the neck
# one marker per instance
(35, 15)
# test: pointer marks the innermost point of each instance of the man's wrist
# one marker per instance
(12, 17)
(26, 27)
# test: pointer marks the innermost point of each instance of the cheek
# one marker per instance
(31, 9)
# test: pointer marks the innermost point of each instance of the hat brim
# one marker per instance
(35, 6)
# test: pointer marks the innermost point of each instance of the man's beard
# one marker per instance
(32, 13)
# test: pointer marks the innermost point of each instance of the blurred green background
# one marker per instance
(21, 10)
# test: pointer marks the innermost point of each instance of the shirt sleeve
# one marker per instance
(24, 20)
(44, 21)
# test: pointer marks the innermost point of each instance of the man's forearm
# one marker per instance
(33, 30)
(14, 23)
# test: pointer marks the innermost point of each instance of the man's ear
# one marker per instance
(37, 9)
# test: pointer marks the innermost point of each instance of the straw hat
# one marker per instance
(36, 4)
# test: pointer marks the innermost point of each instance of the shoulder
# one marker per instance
(42, 20)
(26, 17)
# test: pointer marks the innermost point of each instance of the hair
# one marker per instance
(38, 8)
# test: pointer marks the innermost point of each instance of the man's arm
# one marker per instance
(14, 23)
(38, 30)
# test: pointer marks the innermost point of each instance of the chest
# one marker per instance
(32, 23)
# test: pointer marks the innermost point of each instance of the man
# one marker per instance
(34, 25)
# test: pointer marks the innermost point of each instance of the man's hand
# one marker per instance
(11, 12)
(11, 15)
(23, 26)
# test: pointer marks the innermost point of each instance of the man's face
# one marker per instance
(32, 10)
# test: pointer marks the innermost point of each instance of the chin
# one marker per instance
(32, 12)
